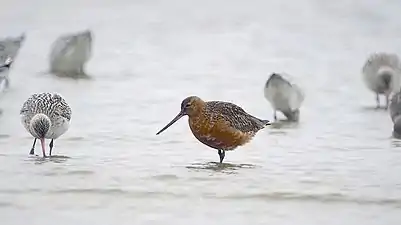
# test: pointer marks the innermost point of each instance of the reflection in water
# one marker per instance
(396, 143)
(50, 159)
(374, 108)
(284, 124)
(164, 177)
(75, 76)
(219, 167)
(64, 76)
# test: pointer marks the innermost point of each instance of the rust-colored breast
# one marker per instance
(215, 132)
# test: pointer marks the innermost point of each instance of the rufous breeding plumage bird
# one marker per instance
(220, 125)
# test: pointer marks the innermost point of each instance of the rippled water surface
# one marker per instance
(339, 165)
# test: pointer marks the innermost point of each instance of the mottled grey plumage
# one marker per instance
(395, 114)
(52, 105)
(46, 115)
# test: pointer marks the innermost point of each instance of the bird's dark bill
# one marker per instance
(171, 123)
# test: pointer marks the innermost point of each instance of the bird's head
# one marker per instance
(190, 106)
(40, 124)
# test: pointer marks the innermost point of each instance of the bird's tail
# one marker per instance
(261, 123)
(266, 123)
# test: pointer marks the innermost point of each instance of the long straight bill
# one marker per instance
(171, 122)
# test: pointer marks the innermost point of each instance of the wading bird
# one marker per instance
(220, 125)
(45, 116)
(284, 96)
(381, 73)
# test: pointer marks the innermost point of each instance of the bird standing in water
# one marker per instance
(382, 74)
(220, 125)
(70, 53)
(284, 96)
(45, 116)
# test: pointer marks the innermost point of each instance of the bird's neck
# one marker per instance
(197, 110)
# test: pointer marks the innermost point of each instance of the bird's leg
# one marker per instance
(7, 83)
(222, 153)
(275, 115)
(387, 100)
(377, 101)
(51, 147)
(33, 148)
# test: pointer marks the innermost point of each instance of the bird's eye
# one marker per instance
(187, 105)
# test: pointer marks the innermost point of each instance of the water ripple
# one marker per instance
(6, 204)
(273, 196)
(329, 197)
(4, 136)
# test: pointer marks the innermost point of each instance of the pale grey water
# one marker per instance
(338, 166)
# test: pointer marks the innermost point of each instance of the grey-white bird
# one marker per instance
(45, 116)
(395, 114)
(9, 49)
(284, 96)
(70, 53)
(381, 73)
(4, 70)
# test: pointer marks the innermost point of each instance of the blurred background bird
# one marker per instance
(70, 53)
(284, 96)
(4, 72)
(9, 49)
(381, 73)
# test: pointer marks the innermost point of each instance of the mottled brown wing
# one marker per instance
(236, 116)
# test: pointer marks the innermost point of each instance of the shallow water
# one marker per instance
(339, 165)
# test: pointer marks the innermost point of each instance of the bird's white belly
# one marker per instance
(58, 128)
(279, 97)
